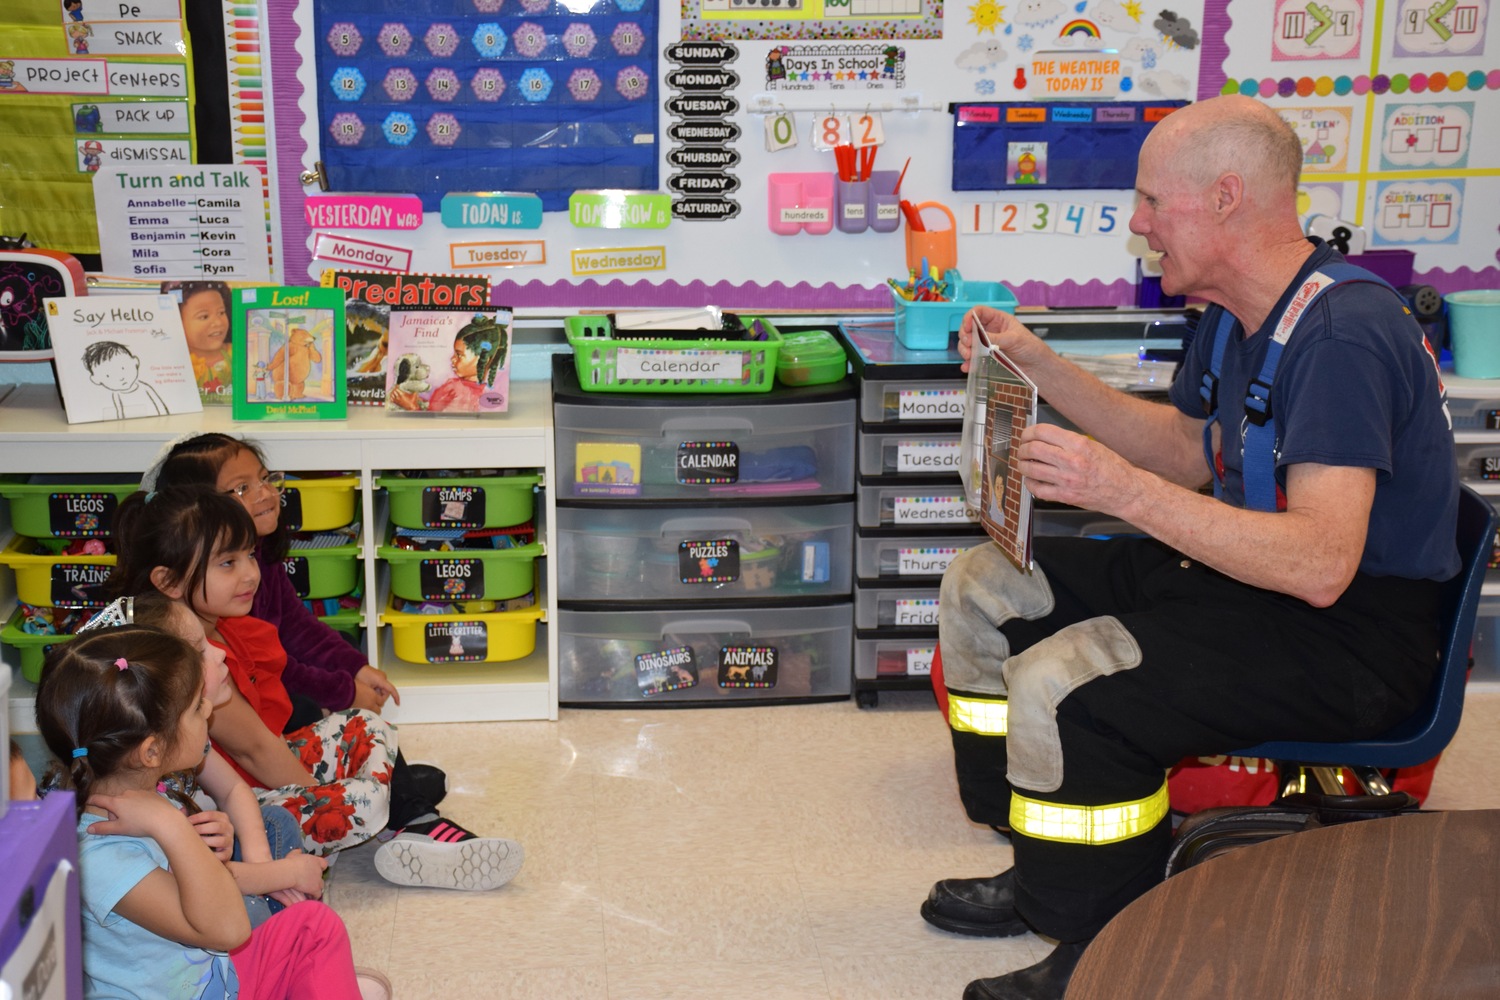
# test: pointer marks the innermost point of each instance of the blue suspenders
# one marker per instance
(1260, 421)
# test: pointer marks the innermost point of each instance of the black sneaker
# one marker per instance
(977, 907)
(1046, 980)
(428, 782)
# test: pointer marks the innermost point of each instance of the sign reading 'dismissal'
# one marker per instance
(182, 222)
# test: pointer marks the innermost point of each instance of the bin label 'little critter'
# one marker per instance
(456, 642)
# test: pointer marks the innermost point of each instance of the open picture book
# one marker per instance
(1001, 403)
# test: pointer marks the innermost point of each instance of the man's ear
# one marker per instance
(163, 580)
(1229, 192)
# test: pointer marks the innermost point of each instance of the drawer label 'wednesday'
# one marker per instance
(929, 510)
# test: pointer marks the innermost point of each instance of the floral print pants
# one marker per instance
(350, 754)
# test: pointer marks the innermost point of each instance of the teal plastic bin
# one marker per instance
(928, 326)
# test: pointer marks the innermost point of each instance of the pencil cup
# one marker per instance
(937, 247)
(783, 194)
(852, 205)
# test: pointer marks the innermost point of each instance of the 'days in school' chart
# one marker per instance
(435, 96)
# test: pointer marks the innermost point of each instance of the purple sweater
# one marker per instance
(320, 663)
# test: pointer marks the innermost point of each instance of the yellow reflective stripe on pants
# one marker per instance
(1087, 824)
(985, 716)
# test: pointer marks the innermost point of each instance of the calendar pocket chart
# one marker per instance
(476, 95)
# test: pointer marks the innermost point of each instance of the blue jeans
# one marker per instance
(284, 834)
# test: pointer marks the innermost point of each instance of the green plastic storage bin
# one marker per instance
(467, 502)
(327, 572)
(55, 506)
(597, 356)
(32, 648)
(463, 574)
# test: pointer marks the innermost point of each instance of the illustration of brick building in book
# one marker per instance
(1001, 404)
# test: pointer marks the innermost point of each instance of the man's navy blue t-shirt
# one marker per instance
(1356, 386)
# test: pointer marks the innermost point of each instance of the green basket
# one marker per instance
(31, 647)
(67, 506)
(326, 572)
(461, 574)
(600, 355)
(474, 501)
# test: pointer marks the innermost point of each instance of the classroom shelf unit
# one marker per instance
(36, 438)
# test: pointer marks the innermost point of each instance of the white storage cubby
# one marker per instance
(371, 443)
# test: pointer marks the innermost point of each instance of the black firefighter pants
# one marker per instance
(1224, 666)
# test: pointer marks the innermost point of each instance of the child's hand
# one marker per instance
(288, 897)
(308, 871)
(134, 813)
(217, 832)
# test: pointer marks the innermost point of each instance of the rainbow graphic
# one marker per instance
(1087, 29)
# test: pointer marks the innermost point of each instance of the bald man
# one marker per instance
(1298, 600)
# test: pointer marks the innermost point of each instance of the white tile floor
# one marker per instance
(770, 853)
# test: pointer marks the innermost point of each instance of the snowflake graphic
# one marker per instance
(535, 85)
(1025, 42)
(488, 84)
(584, 85)
(627, 38)
(346, 129)
(344, 39)
(400, 84)
(579, 39)
(348, 84)
(400, 128)
(395, 39)
(441, 40)
(530, 39)
(443, 130)
(442, 84)
(489, 41)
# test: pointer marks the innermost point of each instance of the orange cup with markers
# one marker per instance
(937, 247)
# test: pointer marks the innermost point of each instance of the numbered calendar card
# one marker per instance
(483, 95)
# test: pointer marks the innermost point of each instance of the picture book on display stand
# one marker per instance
(369, 299)
(120, 356)
(288, 354)
(205, 308)
(448, 361)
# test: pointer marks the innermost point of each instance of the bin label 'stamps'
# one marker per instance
(453, 507)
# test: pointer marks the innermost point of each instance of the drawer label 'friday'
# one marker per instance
(923, 611)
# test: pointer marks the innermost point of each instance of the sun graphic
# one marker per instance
(1133, 9)
(985, 15)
